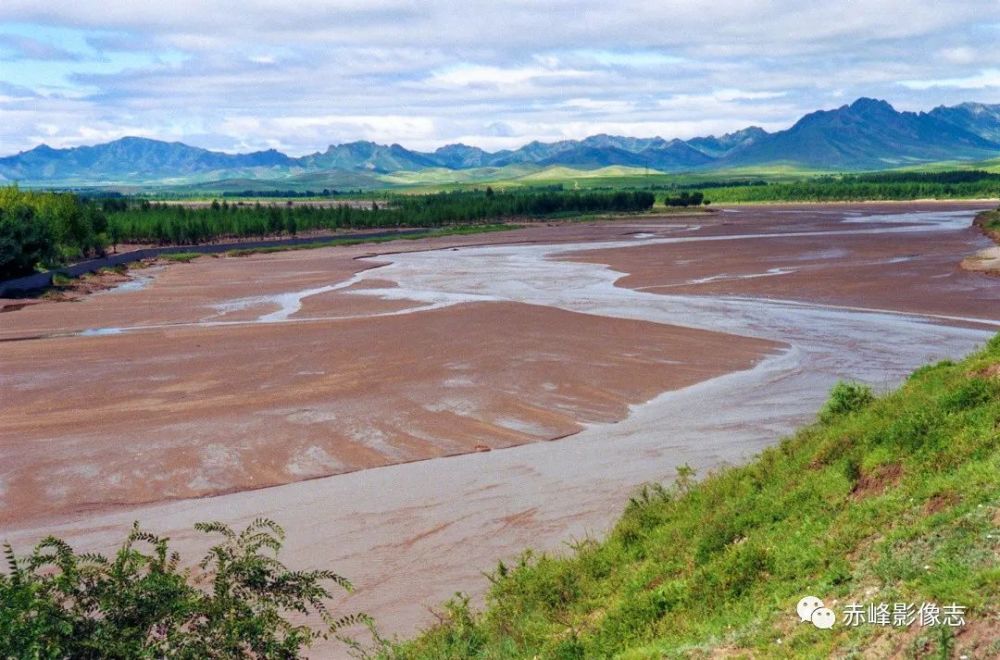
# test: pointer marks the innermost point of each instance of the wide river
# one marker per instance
(411, 534)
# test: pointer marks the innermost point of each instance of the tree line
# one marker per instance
(46, 229)
(949, 176)
(852, 189)
(173, 224)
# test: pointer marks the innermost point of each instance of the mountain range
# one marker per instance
(868, 134)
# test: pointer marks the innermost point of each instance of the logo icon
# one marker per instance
(812, 609)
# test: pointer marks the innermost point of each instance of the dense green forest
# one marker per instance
(49, 229)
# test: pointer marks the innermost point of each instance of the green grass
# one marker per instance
(181, 257)
(887, 499)
(991, 221)
(61, 280)
(365, 185)
(340, 242)
(120, 269)
(990, 165)
(787, 182)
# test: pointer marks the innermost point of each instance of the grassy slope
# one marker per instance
(514, 176)
(607, 177)
(991, 165)
(896, 502)
(990, 222)
(510, 176)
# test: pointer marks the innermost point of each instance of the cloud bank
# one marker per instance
(246, 75)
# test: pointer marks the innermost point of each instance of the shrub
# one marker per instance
(846, 398)
(55, 603)
(61, 280)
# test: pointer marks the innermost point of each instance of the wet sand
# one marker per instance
(98, 421)
(911, 271)
(410, 534)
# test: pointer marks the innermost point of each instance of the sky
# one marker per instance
(298, 76)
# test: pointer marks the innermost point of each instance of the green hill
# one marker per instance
(894, 499)
(868, 134)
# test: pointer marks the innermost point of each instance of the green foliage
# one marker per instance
(55, 603)
(24, 241)
(685, 199)
(61, 280)
(752, 184)
(846, 398)
(875, 186)
(43, 229)
(990, 222)
(887, 499)
(970, 394)
(180, 225)
(48, 229)
(40, 228)
(181, 257)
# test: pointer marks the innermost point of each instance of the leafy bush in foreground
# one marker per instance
(55, 603)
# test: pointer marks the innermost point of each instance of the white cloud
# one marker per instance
(494, 76)
(248, 74)
(607, 106)
(740, 95)
(958, 55)
(981, 80)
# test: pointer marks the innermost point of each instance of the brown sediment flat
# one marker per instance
(342, 303)
(189, 292)
(906, 272)
(988, 260)
(984, 261)
(90, 422)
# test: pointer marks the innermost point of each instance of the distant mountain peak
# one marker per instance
(865, 103)
(458, 146)
(866, 134)
(869, 134)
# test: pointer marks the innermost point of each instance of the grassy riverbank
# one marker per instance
(890, 500)
(989, 221)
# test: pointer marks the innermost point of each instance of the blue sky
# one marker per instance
(250, 74)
